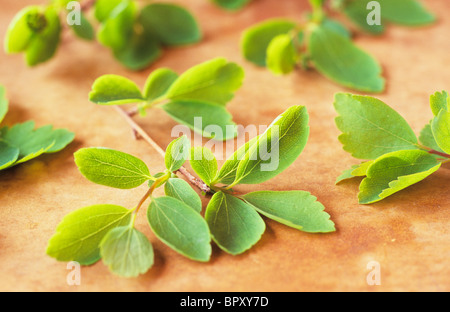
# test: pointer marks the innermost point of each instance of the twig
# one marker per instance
(141, 132)
(439, 153)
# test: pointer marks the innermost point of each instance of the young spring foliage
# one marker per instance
(196, 98)
(394, 158)
(232, 221)
(135, 35)
(283, 45)
(231, 5)
(22, 142)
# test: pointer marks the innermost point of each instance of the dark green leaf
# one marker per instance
(231, 5)
(339, 59)
(171, 24)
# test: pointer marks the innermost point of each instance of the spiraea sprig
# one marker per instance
(394, 158)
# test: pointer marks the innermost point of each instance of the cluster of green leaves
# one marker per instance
(201, 92)
(21, 142)
(135, 35)
(232, 221)
(282, 45)
(231, 5)
(394, 158)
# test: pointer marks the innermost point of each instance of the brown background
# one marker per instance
(408, 233)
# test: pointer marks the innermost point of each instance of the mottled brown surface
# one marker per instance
(408, 234)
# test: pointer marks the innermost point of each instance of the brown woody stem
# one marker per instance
(144, 135)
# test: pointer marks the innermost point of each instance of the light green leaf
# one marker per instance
(19, 33)
(214, 81)
(126, 251)
(104, 8)
(281, 55)
(276, 149)
(297, 209)
(235, 226)
(44, 43)
(232, 5)
(227, 173)
(337, 58)
(171, 24)
(111, 168)
(355, 171)
(426, 137)
(177, 153)
(180, 227)
(181, 190)
(204, 164)
(115, 90)
(256, 39)
(117, 30)
(441, 130)
(158, 83)
(8, 155)
(439, 101)
(208, 119)
(84, 30)
(4, 103)
(336, 27)
(394, 172)
(79, 234)
(370, 128)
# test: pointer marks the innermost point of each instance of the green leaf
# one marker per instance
(394, 172)
(115, 90)
(337, 27)
(84, 30)
(256, 39)
(427, 138)
(104, 8)
(158, 83)
(297, 209)
(404, 12)
(214, 81)
(336, 57)
(235, 226)
(227, 173)
(441, 130)
(117, 30)
(171, 24)
(8, 155)
(232, 5)
(177, 153)
(79, 234)
(208, 119)
(370, 128)
(181, 190)
(33, 143)
(276, 149)
(111, 168)
(281, 55)
(180, 227)
(19, 33)
(4, 103)
(126, 251)
(44, 43)
(355, 171)
(204, 164)
(439, 101)
(141, 51)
